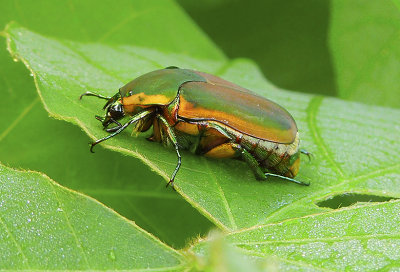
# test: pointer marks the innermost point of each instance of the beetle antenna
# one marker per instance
(289, 179)
(94, 94)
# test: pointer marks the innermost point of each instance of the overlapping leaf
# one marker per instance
(47, 227)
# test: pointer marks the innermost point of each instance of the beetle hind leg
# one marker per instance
(225, 151)
(232, 150)
(288, 179)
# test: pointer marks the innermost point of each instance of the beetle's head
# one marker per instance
(114, 111)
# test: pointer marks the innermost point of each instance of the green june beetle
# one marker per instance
(208, 116)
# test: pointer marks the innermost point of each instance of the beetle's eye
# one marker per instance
(116, 111)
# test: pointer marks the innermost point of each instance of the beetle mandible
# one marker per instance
(210, 116)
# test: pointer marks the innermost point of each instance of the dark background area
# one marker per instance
(255, 30)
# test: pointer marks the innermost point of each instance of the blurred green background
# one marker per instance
(344, 48)
(287, 39)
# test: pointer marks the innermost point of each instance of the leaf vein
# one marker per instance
(312, 110)
(19, 248)
(18, 119)
(118, 26)
(324, 239)
(92, 63)
(224, 200)
(375, 173)
(78, 243)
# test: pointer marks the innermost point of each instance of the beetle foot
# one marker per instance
(82, 95)
(91, 146)
(308, 154)
(170, 183)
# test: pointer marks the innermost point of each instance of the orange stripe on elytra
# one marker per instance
(189, 110)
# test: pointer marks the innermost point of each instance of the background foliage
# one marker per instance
(323, 54)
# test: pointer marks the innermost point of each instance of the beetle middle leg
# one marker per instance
(172, 137)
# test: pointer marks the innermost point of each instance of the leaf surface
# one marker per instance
(364, 238)
(47, 227)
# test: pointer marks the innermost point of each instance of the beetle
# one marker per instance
(209, 116)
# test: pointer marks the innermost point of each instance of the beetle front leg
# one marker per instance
(134, 119)
(95, 95)
(172, 137)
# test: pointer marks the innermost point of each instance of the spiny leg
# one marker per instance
(243, 153)
(248, 158)
(253, 163)
(94, 94)
(134, 119)
(172, 137)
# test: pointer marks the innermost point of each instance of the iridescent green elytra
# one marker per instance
(208, 116)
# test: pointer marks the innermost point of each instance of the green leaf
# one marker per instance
(342, 135)
(139, 22)
(47, 227)
(31, 140)
(365, 42)
(365, 238)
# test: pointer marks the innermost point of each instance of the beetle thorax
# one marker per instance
(141, 100)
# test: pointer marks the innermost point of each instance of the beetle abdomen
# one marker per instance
(277, 158)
